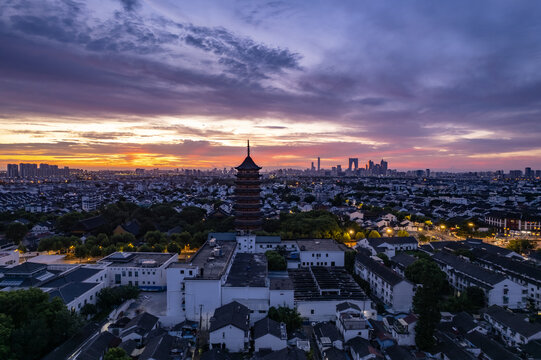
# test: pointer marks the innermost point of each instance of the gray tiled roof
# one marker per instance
(515, 322)
(380, 270)
(267, 326)
(234, 314)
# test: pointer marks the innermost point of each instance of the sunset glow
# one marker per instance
(125, 84)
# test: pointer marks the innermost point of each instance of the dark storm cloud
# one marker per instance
(429, 73)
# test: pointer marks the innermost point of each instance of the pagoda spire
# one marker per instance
(248, 147)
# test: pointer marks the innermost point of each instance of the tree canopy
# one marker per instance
(275, 261)
(290, 317)
(30, 320)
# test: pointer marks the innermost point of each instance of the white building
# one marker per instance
(391, 288)
(402, 329)
(230, 328)
(499, 290)
(388, 245)
(515, 329)
(146, 270)
(269, 335)
(351, 322)
(321, 252)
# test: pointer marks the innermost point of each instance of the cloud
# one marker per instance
(396, 77)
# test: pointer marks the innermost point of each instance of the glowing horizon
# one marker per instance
(124, 84)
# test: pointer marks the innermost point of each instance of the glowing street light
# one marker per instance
(470, 224)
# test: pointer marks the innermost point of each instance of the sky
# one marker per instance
(447, 85)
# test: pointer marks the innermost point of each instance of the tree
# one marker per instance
(309, 199)
(89, 309)
(290, 317)
(66, 222)
(349, 261)
(30, 320)
(359, 235)
(173, 248)
(155, 237)
(374, 234)
(192, 214)
(520, 246)
(16, 232)
(116, 354)
(275, 261)
(427, 297)
(81, 251)
(402, 233)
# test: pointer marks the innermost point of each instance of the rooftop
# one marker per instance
(137, 259)
(213, 260)
(248, 270)
(379, 269)
(325, 283)
(319, 245)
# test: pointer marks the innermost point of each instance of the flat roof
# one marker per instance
(248, 270)
(137, 259)
(281, 283)
(310, 283)
(211, 263)
(319, 245)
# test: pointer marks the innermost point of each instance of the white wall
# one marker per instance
(322, 258)
(202, 292)
(326, 310)
(269, 341)
(496, 295)
(254, 298)
(402, 297)
(282, 298)
(232, 337)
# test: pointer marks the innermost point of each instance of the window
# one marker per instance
(123, 273)
(136, 273)
(312, 311)
(129, 273)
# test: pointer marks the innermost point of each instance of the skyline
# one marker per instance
(124, 84)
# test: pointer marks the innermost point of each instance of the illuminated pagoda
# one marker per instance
(247, 196)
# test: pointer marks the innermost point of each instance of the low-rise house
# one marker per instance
(351, 321)
(269, 334)
(499, 290)
(486, 348)
(334, 354)
(284, 354)
(391, 288)
(361, 349)
(402, 329)
(514, 329)
(229, 327)
(388, 245)
(327, 336)
(139, 327)
(401, 261)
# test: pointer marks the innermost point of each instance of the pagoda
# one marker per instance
(247, 196)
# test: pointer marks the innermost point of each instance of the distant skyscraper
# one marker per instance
(13, 171)
(339, 168)
(427, 173)
(313, 168)
(247, 196)
(370, 165)
(528, 172)
(383, 167)
(318, 163)
(353, 161)
(28, 170)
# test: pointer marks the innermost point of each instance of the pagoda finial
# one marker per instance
(248, 147)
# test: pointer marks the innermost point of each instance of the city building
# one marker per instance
(145, 270)
(13, 171)
(392, 289)
(499, 290)
(230, 328)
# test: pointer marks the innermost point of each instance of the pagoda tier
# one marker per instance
(247, 199)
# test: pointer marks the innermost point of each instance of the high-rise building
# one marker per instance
(313, 168)
(355, 162)
(13, 171)
(383, 167)
(139, 171)
(339, 168)
(427, 173)
(247, 196)
(28, 170)
(318, 163)
(515, 173)
(528, 172)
